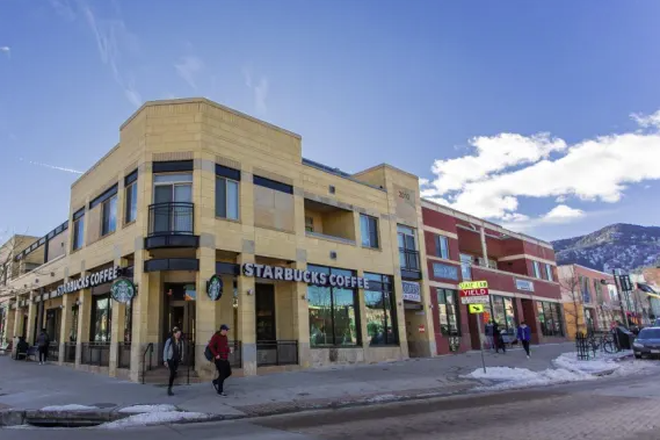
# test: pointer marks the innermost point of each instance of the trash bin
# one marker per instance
(626, 338)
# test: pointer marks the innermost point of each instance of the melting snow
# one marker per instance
(155, 418)
(72, 407)
(139, 409)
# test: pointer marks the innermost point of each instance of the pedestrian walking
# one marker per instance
(524, 336)
(43, 341)
(498, 340)
(173, 356)
(219, 347)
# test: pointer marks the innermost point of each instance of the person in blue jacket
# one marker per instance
(524, 336)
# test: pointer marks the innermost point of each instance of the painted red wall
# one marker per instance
(438, 220)
(539, 251)
(507, 283)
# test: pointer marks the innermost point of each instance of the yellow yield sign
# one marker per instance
(475, 309)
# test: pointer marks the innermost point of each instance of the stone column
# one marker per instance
(301, 318)
(32, 316)
(484, 247)
(10, 319)
(65, 325)
(246, 318)
(84, 317)
(206, 314)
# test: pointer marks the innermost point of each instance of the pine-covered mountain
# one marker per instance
(618, 246)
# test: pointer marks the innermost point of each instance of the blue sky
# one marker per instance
(539, 115)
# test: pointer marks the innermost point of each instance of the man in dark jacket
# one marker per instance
(219, 347)
(497, 338)
(43, 341)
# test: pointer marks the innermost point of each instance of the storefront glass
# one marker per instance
(332, 312)
(549, 316)
(100, 330)
(448, 312)
(502, 311)
(380, 311)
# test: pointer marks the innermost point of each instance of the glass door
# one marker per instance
(169, 216)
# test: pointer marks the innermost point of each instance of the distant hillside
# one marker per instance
(618, 246)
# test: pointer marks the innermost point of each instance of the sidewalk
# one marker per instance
(29, 386)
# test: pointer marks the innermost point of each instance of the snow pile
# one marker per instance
(522, 377)
(72, 407)
(603, 364)
(139, 409)
(155, 418)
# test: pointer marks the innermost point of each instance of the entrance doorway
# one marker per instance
(265, 311)
(180, 312)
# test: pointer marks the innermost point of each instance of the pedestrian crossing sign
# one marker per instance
(475, 308)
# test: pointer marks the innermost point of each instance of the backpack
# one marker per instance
(208, 354)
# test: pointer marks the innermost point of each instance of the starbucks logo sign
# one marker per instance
(122, 291)
(214, 288)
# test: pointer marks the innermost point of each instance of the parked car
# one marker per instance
(647, 342)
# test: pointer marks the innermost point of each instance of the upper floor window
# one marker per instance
(78, 229)
(408, 254)
(537, 269)
(466, 267)
(442, 246)
(130, 196)
(369, 230)
(226, 192)
(172, 210)
(548, 272)
(109, 216)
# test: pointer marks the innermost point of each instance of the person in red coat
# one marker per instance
(219, 347)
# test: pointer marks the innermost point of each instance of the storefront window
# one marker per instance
(549, 316)
(503, 312)
(101, 318)
(448, 312)
(380, 313)
(332, 312)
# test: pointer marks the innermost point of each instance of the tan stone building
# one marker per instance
(214, 217)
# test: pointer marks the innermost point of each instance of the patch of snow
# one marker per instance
(139, 409)
(72, 407)
(155, 418)
(381, 398)
(523, 378)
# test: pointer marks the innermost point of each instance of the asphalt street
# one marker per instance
(621, 409)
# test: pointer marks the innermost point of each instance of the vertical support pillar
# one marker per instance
(246, 318)
(32, 316)
(301, 319)
(65, 324)
(84, 318)
(206, 319)
(10, 319)
(484, 247)
(118, 320)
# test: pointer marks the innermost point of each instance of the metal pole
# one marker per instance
(481, 342)
(619, 293)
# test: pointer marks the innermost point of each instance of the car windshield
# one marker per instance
(649, 333)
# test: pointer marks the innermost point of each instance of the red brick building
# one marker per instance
(521, 272)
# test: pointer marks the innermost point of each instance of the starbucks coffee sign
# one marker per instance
(303, 276)
(92, 280)
(214, 288)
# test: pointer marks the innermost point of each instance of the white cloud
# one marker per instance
(259, 91)
(563, 213)
(507, 167)
(189, 68)
(6, 49)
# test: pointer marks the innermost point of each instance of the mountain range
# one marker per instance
(618, 246)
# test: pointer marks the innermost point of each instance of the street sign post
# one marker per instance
(475, 295)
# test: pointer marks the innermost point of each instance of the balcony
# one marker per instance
(514, 283)
(409, 261)
(171, 225)
(329, 222)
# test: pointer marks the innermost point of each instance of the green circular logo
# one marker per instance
(122, 291)
(214, 289)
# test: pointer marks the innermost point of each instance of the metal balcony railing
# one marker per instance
(409, 259)
(172, 218)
